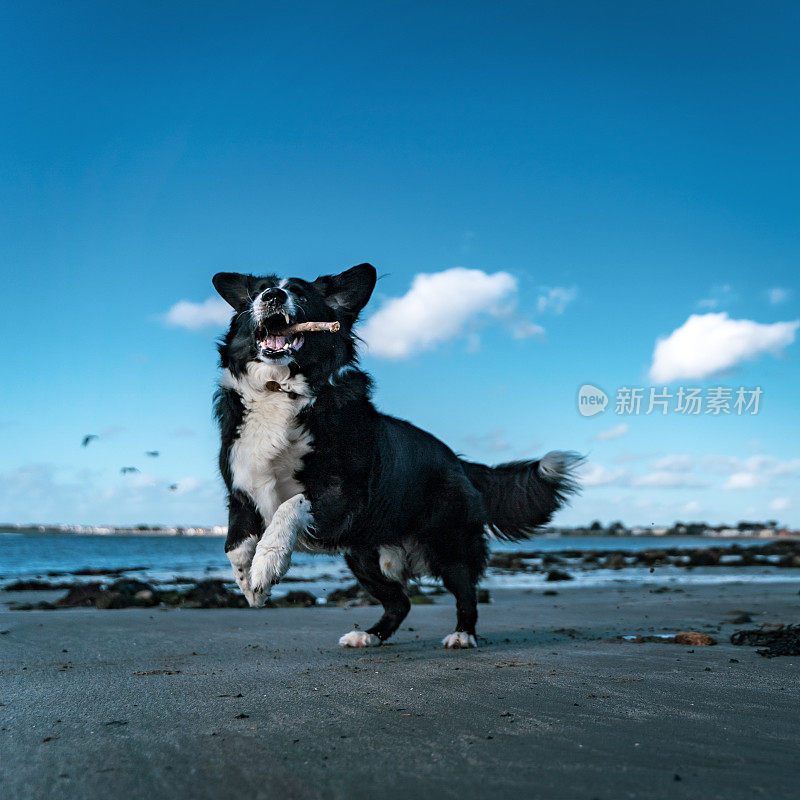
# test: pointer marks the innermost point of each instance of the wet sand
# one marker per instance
(146, 702)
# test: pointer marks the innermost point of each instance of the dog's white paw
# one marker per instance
(258, 597)
(254, 599)
(459, 641)
(359, 639)
(268, 567)
(243, 581)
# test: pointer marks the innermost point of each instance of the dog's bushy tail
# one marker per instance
(521, 496)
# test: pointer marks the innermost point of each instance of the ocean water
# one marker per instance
(163, 558)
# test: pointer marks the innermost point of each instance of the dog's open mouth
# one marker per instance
(272, 338)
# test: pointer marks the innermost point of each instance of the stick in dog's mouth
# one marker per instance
(290, 338)
(308, 327)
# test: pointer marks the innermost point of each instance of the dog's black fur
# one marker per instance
(373, 480)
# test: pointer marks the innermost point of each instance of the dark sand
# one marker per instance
(143, 703)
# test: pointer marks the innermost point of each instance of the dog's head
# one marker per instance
(266, 306)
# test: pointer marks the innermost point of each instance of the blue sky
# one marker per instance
(603, 172)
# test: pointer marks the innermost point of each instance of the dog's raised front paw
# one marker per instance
(258, 597)
(268, 567)
(359, 639)
(459, 641)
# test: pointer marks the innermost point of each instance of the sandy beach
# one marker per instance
(156, 703)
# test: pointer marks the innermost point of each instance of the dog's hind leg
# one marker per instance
(390, 593)
(458, 580)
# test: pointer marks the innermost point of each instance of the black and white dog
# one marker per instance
(310, 464)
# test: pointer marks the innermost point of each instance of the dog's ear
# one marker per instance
(348, 291)
(233, 288)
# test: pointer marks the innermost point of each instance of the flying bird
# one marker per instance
(153, 453)
(88, 438)
(126, 470)
(173, 487)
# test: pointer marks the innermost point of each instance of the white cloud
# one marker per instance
(522, 329)
(555, 299)
(616, 432)
(211, 313)
(766, 465)
(707, 344)
(720, 295)
(439, 306)
(593, 474)
(723, 465)
(676, 463)
(666, 479)
(780, 504)
(750, 473)
(692, 507)
(742, 480)
(188, 485)
(777, 295)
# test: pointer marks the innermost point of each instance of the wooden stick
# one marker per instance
(308, 327)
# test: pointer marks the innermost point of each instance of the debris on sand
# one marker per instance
(517, 562)
(784, 553)
(780, 640)
(207, 593)
(99, 571)
(297, 599)
(352, 595)
(615, 561)
(558, 575)
(35, 586)
(131, 593)
(158, 672)
(124, 593)
(693, 638)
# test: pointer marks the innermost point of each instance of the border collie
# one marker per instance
(311, 465)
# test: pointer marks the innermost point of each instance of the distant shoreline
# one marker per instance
(113, 530)
(753, 531)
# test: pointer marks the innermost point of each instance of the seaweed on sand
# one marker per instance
(783, 640)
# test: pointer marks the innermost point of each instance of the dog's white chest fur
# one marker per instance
(271, 443)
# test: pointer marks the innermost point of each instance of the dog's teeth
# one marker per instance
(286, 317)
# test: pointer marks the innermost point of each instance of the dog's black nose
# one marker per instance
(274, 296)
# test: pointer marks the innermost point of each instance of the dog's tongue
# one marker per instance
(275, 342)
